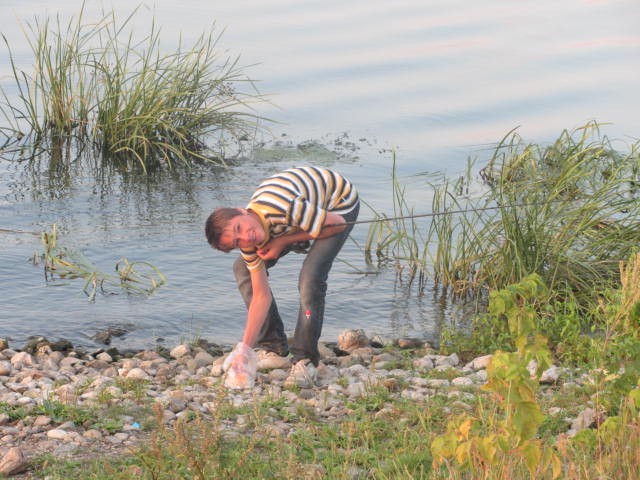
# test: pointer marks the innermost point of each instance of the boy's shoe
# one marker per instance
(268, 360)
(303, 374)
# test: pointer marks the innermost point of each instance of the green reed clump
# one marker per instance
(94, 83)
(568, 211)
(397, 238)
(135, 278)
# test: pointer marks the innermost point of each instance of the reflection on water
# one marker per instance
(435, 82)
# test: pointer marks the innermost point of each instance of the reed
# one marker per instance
(135, 278)
(568, 212)
(94, 83)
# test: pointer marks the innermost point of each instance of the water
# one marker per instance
(436, 82)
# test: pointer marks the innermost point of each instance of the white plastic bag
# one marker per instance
(240, 367)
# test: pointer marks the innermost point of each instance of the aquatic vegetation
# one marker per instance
(135, 278)
(568, 211)
(95, 84)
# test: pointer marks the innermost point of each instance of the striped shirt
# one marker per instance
(299, 199)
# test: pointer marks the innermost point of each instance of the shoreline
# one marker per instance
(45, 396)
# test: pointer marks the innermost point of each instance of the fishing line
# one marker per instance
(432, 214)
(19, 232)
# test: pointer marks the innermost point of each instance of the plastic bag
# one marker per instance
(240, 367)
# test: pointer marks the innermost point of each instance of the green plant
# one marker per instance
(507, 437)
(13, 412)
(136, 278)
(132, 386)
(61, 412)
(612, 448)
(567, 211)
(110, 425)
(94, 83)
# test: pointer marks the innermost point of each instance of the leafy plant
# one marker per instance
(61, 412)
(510, 434)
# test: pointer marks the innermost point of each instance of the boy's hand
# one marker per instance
(240, 365)
(272, 250)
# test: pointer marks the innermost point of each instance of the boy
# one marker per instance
(289, 208)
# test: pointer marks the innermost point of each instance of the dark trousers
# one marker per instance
(312, 287)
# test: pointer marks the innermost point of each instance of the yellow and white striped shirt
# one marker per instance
(299, 199)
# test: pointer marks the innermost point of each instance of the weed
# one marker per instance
(134, 387)
(13, 412)
(504, 441)
(61, 412)
(135, 278)
(568, 211)
(96, 84)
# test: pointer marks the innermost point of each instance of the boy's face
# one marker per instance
(243, 231)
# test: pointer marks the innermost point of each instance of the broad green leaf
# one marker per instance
(531, 453)
(463, 452)
(526, 419)
(444, 446)
(487, 449)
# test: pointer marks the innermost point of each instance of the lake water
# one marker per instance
(435, 82)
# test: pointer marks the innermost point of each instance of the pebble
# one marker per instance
(190, 381)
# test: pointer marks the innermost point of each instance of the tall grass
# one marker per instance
(98, 83)
(568, 211)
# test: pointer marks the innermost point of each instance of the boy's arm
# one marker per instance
(272, 249)
(259, 306)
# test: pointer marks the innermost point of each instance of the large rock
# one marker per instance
(22, 359)
(5, 368)
(351, 339)
(13, 462)
(180, 351)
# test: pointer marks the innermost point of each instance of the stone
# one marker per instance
(62, 345)
(216, 368)
(105, 357)
(203, 359)
(92, 434)
(4, 344)
(449, 361)
(351, 339)
(42, 421)
(180, 351)
(423, 364)
(57, 434)
(22, 359)
(479, 363)
(66, 394)
(585, 419)
(406, 343)
(69, 362)
(325, 352)
(550, 376)
(13, 462)
(461, 381)
(381, 341)
(5, 368)
(138, 374)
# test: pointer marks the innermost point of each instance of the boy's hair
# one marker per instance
(215, 225)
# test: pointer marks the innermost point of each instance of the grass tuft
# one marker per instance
(97, 84)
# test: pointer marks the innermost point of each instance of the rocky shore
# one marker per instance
(37, 385)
